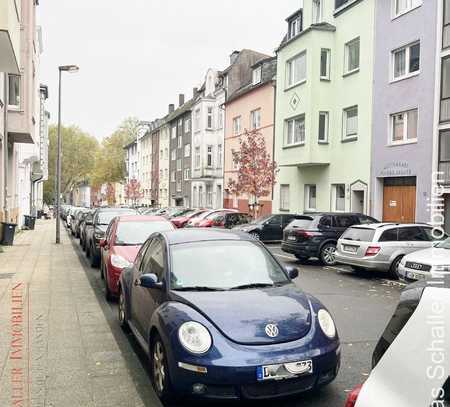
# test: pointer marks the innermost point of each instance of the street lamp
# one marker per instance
(64, 68)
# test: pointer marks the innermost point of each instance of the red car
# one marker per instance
(123, 239)
(182, 220)
(224, 219)
(195, 221)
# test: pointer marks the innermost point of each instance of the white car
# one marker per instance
(411, 362)
(425, 263)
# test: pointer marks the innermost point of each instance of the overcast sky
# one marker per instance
(136, 56)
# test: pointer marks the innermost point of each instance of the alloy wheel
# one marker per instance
(159, 369)
(255, 236)
(328, 254)
(121, 308)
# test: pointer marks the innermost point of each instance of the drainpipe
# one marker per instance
(5, 148)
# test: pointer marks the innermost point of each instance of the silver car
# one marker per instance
(381, 246)
(426, 263)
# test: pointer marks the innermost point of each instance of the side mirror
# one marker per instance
(292, 272)
(102, 243)
(150, 281)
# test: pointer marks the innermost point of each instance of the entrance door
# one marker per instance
(399, 200)
(358, 201)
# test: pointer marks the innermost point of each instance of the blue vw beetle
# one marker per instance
(221, 318)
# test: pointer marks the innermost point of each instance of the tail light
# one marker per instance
(304, 233)
(372, 250)
(353, 396)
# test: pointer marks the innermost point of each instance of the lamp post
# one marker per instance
(64, 68)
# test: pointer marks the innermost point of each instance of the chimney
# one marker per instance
(181, 99)
(233, 57)
(194, 92)
(171, 108)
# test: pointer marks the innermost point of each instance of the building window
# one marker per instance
(197, 119)
(210, 118)
(180, 141)
(209, 196)
(257, 74)
(187, 150)
(219, 156)
(166, 173)
(255, 119)
(174, 132)
(179, 164)
(172, 176)
(173, 155)
(296, 70)
(225, 82)
(284, 197)
(317, 11)
(445, 90)
(194, 197)
(187, 125)
(235, 164)
(350, 122)
(403, 6)
(179, 185)
(404, 127)
(310, 197)
(295, 131)
(237, 125)
(200, 196)
(220, 118)
(323, 127)
(197, 157)
(161, 154)
(295, 26)
(351, 56)
(339, 201)
(14, 91)
(446, 25)
(325, 57)
(209, 156)
(180, 123)
(186, 173)
(406, 61)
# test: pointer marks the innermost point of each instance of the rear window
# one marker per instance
(304, 222)
(359, 234)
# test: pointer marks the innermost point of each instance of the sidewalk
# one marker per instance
(59, 345)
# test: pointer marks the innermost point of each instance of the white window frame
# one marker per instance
(209, 118)
(255, 119)
(187, 150)
(345, 135)
(173, 155)
(335, 196)
(308, 189)
(294, 27)
(220, 116)
(347, 46)
(327, 127)
(284, 197)
(187, 125)
(179, 188)
(197, 119)
(411, 5)
(173, 176)
(327, 76)
(317, 12)
(257, 75)
(293, 142)
(219, 155)
(15, 106)
(186, 174)
(197, 158)
(237, 125)
(405, 139)
(180, 141)
(291, 70)
(209, 156)
(407, 49)
(179, 164)
(173, 132)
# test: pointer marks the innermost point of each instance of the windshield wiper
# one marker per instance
(198, 288)
(253, 285)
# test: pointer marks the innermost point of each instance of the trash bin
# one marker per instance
(8, 233)
(30, 221)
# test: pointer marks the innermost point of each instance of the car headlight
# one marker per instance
(326, 323)
(119, 262)
(443, 268)
(194, 337)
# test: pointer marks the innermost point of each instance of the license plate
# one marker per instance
(414, 276)
(284, 370)
(351, 249)
(292, 238)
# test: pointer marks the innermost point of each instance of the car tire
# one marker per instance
(160, 370)
(122, 311)
(93, 258)
(358, 270)
(108, 295)
(102, 270)
(302, 259)
(393, 270)
(327, 254)
(87, 248)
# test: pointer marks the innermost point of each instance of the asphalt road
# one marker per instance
(360, 303)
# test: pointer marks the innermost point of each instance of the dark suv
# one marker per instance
(316, 235)
(268, 228)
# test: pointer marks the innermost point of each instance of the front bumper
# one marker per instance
(240, 382)
(411, 275)
(363, 262)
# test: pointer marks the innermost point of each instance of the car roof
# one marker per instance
(141, 218)
(387, 225)
(193, 235)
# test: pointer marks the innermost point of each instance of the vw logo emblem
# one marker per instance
(272, 330)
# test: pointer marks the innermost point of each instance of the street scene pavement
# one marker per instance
(78, 355)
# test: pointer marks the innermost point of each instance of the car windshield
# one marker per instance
(359, 234)
(223, 265)
(136, 233)
(105, 217)
(445, 244)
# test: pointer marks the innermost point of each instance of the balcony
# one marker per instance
(10, 36)
(207, 172)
